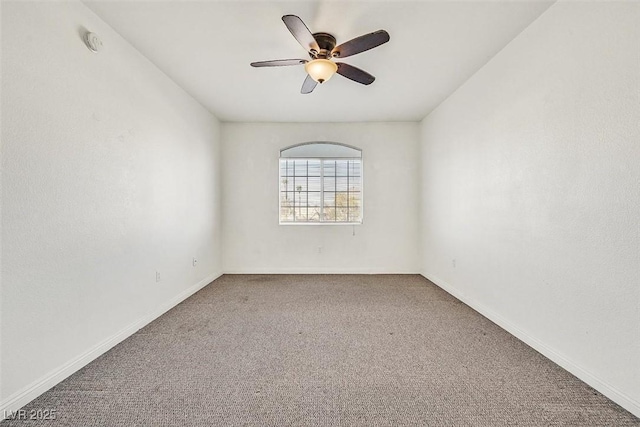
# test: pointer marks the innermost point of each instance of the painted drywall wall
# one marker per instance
(253, 240)
(530, 192)
(110, 172)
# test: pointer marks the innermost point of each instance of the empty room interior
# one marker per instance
(320, 213)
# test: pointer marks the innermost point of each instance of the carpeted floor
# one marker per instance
(328, 350)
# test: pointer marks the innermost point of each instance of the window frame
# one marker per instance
(321, 159)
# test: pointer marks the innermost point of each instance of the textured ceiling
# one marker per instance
(206, 48)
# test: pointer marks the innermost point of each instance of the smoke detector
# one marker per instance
(93, 42)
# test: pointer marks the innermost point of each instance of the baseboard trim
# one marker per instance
(329, 271)
(35, 389)
(609, 391)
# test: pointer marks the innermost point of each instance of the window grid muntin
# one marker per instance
(347, 170)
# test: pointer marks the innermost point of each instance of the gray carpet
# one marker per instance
(327, 350)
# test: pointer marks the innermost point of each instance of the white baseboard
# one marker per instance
(611, 392)
(316, 271)
(35, 389)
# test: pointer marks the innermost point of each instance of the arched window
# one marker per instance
(321, 183)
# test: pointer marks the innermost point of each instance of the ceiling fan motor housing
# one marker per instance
(326, 42)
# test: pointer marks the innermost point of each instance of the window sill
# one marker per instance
(320, 223)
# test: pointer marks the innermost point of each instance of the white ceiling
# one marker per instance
(206, 47)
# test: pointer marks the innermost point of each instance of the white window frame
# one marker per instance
(322, 158)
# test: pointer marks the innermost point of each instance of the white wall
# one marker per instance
(253, 242)
(109, 173)
(531, 182)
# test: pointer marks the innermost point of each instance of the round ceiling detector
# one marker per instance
(93, 42)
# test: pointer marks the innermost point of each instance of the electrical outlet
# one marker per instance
(453, 263)
(195, 262)
(157, 276)
(319, 249)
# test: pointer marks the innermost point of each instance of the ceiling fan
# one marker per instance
(322, 49)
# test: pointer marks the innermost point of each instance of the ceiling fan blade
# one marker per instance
(301, 32)
(360, 44)
(309, 85)
(354, 73)
(279, 62)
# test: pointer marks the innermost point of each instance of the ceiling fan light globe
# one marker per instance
(321, 70)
